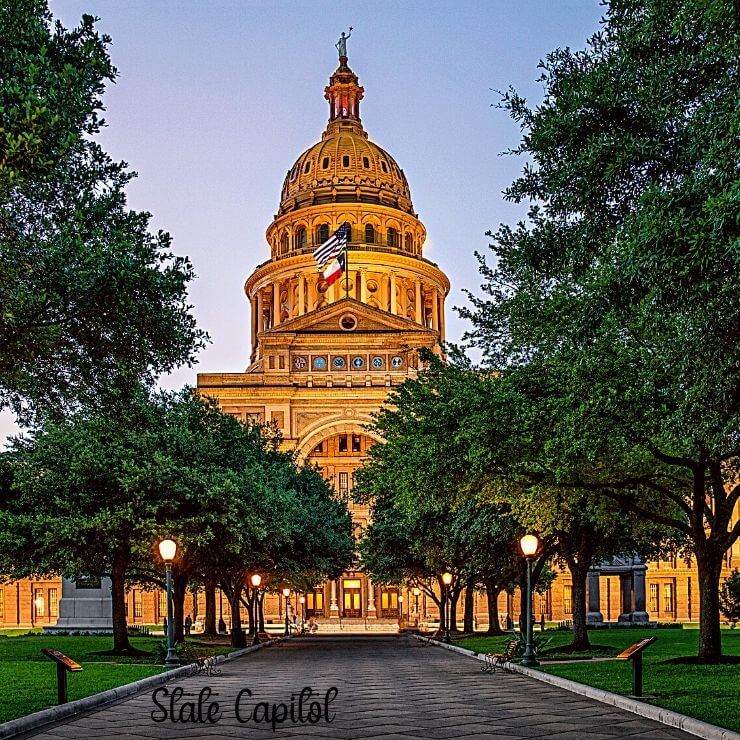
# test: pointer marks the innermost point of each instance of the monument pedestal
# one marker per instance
(84, 607)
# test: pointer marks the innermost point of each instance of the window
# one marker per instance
(408, 242)
(323, 233)
(370, 234)
(39, 603)
(162, 604)
(654, 597)
(384, 165)
(344, 485)
(392, 237)
(567, 599)
(284, 244)
(294, 171)
(668, 598)
(319, 449)
(53, 602)
(356, 443)
(343, 443)
(325, 163)
(366, 163)
(389, 600)
(300, 238)
(137, 603)
(2, 604)
(315, 601)
(345, 161)
(307, 167)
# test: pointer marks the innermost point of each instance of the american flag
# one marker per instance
(331, 247)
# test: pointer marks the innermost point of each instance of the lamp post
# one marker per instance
(529, 545)
(256, 581)
(302, 602)
(167, 549)
(400, 607)
(221, 623)
(416, 604)
(286, 593)
(447, 580)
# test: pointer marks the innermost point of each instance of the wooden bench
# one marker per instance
(493, 660)
(203, 665)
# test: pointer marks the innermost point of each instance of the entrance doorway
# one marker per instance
(352, 598)
(315, 603)
(389, 603)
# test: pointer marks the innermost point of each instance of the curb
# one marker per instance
(642, 709)
(70, 709)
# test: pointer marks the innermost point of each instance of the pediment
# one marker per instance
(326, 320)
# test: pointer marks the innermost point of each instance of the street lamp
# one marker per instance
(256, 580)
(400, 607)
(302, 602)
(529, 544)
(416, 592)
(168, 549)
(286, 593)
(447, 580)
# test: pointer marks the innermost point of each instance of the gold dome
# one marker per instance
(345, 167)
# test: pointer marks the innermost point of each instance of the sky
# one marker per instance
(216, 99)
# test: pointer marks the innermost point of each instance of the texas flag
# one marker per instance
(335, 269)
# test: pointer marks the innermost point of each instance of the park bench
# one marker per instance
(203, 665)
(492, 660)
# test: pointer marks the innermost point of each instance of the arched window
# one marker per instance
(384, 165)
(369, 234)
(325, 163)
(392, 237)
(345, 161)
(307, 168)
(322, 234)
(284, 243)
(300, 238)
(366, 163)
(408, 243)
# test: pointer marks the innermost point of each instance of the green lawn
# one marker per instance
(709, 693)
(28, 678)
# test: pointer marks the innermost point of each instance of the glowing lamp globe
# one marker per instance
(416, 591)
(256, 580)
(529, 544)
(286, 592)
(447, 578)
(302, 600)
(167, 549)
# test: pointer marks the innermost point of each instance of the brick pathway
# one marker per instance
(388, 687)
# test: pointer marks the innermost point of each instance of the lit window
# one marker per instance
(53, 603)
(137, 603)
(343, 443)
(343, 485)
(162, 604)
(2, 604)
(369, 234)
(654, 598)
(567, 599)
(345, 161)
(39, 603)
(668, 598)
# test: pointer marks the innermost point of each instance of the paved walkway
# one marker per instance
(388, 687)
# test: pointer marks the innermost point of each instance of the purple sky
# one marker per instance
(215, 101)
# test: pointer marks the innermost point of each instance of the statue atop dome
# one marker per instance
(342, 44)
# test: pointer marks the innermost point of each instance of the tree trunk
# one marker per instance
(260, 611)
(468, 616)
(709, 565)
(179, 591)
(209, 622)
(454, 598)
(118, 598)
(579, 574)
(238, 639)
(494, 625)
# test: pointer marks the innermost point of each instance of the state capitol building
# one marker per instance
(323, 359)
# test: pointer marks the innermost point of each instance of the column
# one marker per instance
(312, 293)
(638, 584)
(371, 611)
(260, 312)
(362, 277)
(275, 303)
(333, 608)
(301, 294)
(418, 306)
(435, 311)
(394, 307)
(255, 320)
(593, 615)
(441, 303)
(625, 586)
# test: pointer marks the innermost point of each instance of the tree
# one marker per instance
(90, 298)
(729, 598)
(612, 309)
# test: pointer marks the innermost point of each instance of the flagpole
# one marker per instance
(348, 232)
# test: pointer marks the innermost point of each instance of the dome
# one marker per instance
(345, 166)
